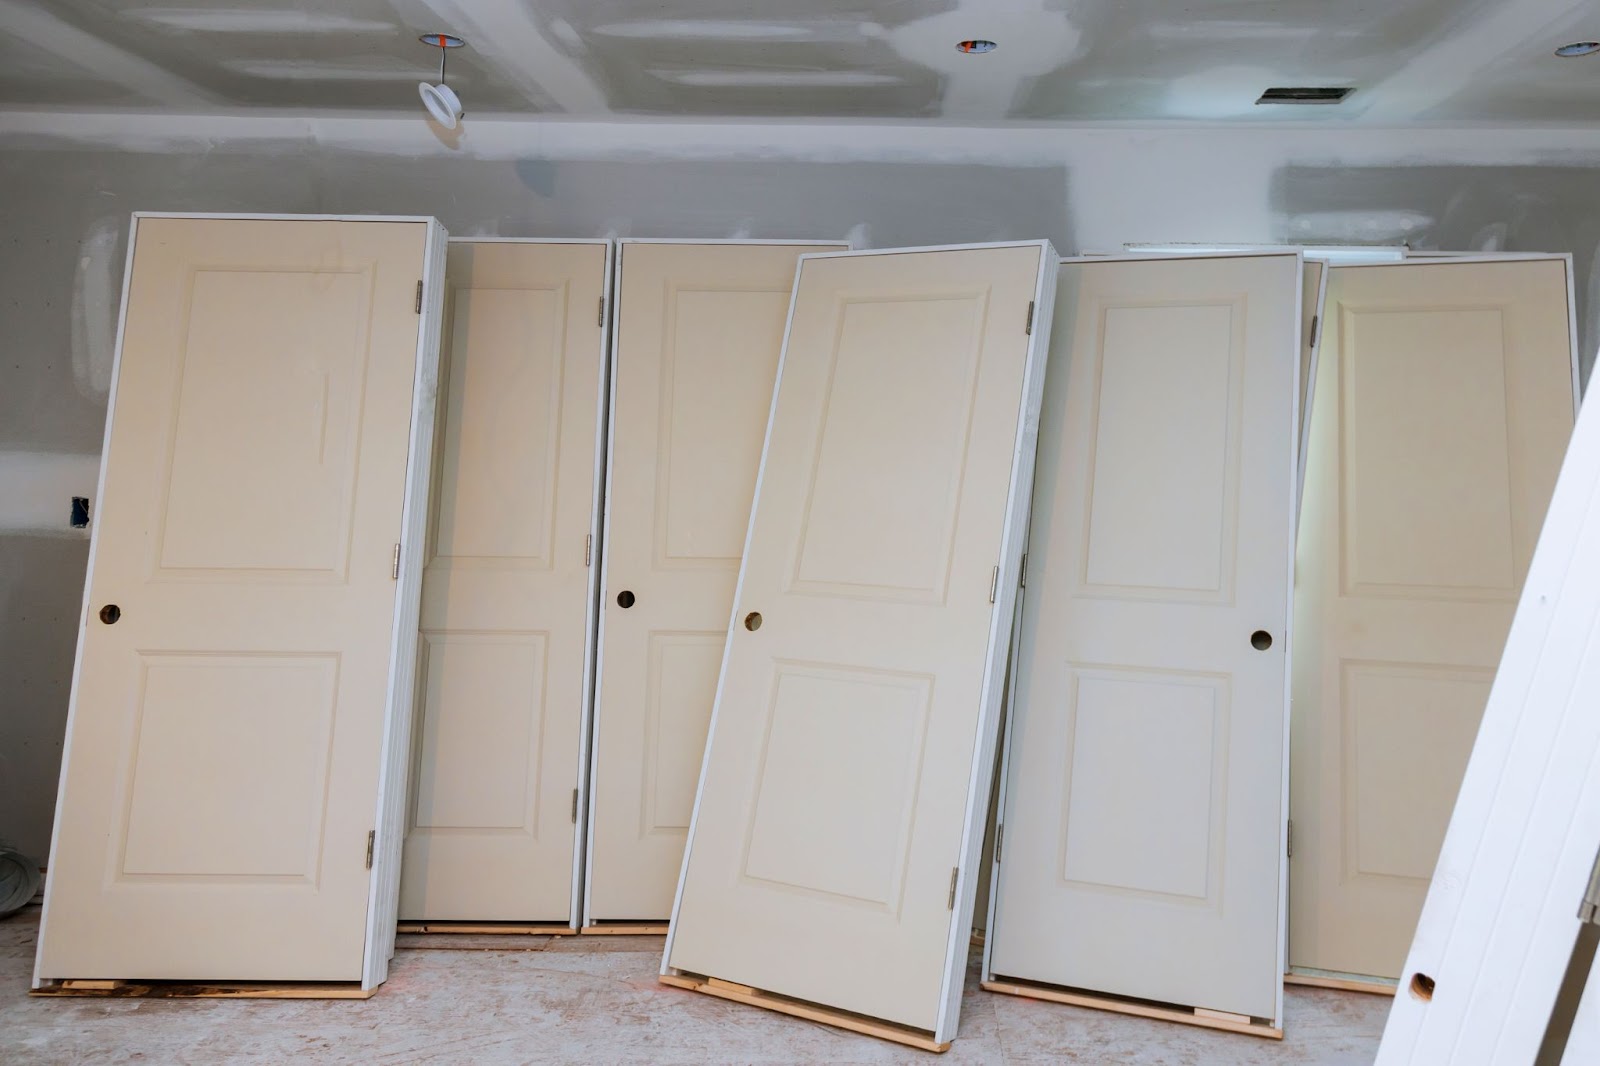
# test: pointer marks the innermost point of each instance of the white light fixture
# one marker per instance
(441, 101)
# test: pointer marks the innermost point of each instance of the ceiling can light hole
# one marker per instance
(976, 46)
(441, 40)
(1578, 48)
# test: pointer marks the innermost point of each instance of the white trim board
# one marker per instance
(1294, 339)
(608, 390)
(1018, 503)
(1500, 919)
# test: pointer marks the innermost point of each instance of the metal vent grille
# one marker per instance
(1305, 94)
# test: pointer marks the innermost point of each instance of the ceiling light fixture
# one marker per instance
(441, 100)
(1578, 48)
(976, 47)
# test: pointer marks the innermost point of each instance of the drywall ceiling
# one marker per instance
(1058, 60)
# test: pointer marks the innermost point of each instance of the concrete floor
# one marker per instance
(596, 1000)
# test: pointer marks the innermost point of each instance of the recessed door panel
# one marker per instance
(699, 330)
(1142, 816)
(1441, 413)
(839, 776)
(228, 717)
(506, 607)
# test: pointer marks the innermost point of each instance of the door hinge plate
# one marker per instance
(588, 549)
(994, 584)
(419, 296)
(1289, 850)
(999, 841)
(372, 842)
(1589, 909)
(955, 874)
(1028, 329)
(394, 566)
(1316, 324)
(574, 806)
(1022, 572)
(601, 319)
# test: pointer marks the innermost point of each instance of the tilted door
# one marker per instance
(861, 677)
(1311, 297)
(1143, 818)
(506, 604)
(1442, 411)
(228, 712)
(699, 330)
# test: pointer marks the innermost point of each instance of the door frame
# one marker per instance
(582, 917)
(987, 971)
(389, 813)
(590, 643)
(1019, 499)
(1305, 975)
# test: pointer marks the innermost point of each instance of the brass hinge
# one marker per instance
(394, 567)
(1316, 323)
(999, 841)
(372, 840)
(1029, 328)
(601, 320)
(588, 548)
(574, 806)
(994, 584)
(1589, 909)
(1290, 835)
(419, 296)
(1022, 574)
(950, 904)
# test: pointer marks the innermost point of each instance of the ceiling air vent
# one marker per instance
(1305, 94)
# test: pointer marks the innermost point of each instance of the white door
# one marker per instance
(228, 714)
(847, 764)
(1443, 407)
(506, 601)
(1143, 814)
(699, 330)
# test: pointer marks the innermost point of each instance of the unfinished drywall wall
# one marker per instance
(69, 182)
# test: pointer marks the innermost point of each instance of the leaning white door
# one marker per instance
(235, 683)
(1442, 409)
(846, 772)
(1313, 293)
(506, 601)
(1143, 808)
(699, 329)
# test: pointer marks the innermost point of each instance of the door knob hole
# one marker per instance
(110, 613)
(624, 599)
(1422, 986)
(1261, 640)
(752, 621)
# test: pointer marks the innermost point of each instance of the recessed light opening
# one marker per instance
(976, 46)
(1306, 94)
(1578, 48)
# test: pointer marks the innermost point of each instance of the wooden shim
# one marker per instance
(811, 1012)
(625, 929)
(197, 990)
(1372, 986)
(489, 928)
(1210, 1019)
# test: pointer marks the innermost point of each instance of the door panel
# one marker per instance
(698, 337)
(1142, 816)
(506, 607)
(226, 729)
(1444, 405)
(832, 807)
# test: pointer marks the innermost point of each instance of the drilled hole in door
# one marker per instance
(1261, 640)
(1422, 986)
(110, 613)
(752, 621)
(624, 599)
